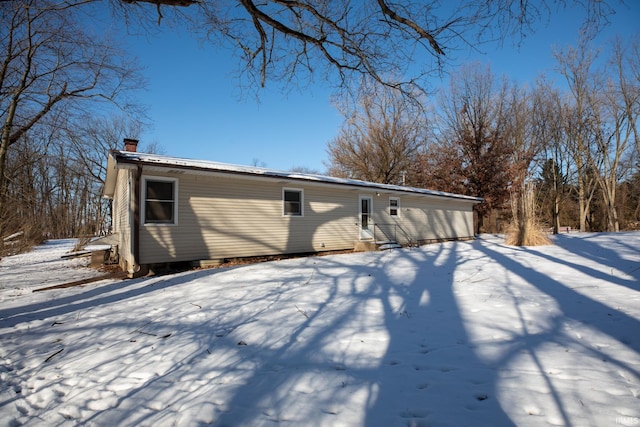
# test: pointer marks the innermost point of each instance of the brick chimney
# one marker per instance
(130, 145)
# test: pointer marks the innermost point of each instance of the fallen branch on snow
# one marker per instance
(50, 357)
(304, 313)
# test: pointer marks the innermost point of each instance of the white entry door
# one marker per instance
(366, 221)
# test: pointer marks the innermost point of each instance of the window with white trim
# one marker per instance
(160, 200)
(394, 206)
(292, 202)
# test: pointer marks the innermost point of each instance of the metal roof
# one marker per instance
(155, 160)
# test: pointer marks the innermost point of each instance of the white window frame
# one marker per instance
(397, 207)
(143, 210)
(284, 203)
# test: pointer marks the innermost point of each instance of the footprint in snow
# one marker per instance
(414, 413)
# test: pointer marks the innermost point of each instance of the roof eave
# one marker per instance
(130, 159)
(112, 174)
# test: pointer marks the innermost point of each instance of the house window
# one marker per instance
(394, 206)
(292, 202)
(160, 200)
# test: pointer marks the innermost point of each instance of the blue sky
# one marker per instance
(198, 110)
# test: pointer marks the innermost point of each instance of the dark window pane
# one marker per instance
(161, 212)
(292, 196)
(160, 202)
(292, 208)
(159, 190)
(365, 221)
(292, 202)
(394, 204)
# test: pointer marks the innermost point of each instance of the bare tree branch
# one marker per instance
(398, 44)
(52, 69)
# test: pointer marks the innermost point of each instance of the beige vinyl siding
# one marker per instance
(122, 217)
(227, 217)
(424, 218)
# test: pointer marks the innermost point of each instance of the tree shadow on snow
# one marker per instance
(71, 300)
(590, 248)
(574, 305)
(431, 368)
(376, 339)
(433, 372)
(574, 310)
(425, 370)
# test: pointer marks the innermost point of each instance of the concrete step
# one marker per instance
(388, 245)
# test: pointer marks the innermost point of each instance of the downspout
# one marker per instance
(136, 223)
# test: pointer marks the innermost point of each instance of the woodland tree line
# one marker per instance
(59, 79)
(561, 154)
(564, 153)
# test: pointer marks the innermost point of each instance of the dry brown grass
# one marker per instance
(525, 230)
(533, 235)
(83, 241)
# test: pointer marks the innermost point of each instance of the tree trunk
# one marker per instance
(5, 139)
(556, 214)
(583, 205)
(479, 222)
(612, 212)
(522, 220)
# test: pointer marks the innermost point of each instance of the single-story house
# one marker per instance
(168, 209)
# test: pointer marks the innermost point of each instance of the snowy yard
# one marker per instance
(455, 334)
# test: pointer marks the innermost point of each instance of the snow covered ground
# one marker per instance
(455, 334)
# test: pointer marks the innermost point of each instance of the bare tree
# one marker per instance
(601, 122)
(50, 67)
(616, 109)
(530, 131)
(305, 170)
(87, 140)
(90, 138)
(576, 65)
(472, 153)
(552, 188)
(627, 79)
(380, 138)
(395, 43)
(552, 183)
(55, 177)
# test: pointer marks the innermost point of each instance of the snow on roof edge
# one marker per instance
(208, 165)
